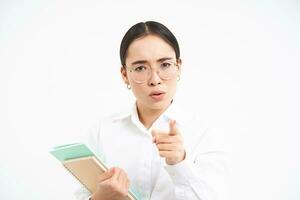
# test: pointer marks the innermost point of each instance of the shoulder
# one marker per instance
(98, 129)
(107, 120)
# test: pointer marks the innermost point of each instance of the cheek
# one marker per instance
(172, 85)
(139, 90)
(173, 88)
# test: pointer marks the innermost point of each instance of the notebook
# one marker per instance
(84, 165)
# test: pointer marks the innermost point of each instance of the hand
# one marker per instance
(113, 185)
(170, 145)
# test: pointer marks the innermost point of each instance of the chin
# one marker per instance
(159, 105)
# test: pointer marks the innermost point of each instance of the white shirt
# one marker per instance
(126, 143)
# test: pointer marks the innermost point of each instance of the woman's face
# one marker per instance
(153, 52)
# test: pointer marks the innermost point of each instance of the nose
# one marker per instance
(154, 78)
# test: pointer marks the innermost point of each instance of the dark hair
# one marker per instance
(146, 28)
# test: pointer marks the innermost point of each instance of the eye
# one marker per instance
(140, 68)
(165, 65)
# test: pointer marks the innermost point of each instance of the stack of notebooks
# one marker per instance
(84, 165)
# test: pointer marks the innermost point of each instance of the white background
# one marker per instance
(59, 72)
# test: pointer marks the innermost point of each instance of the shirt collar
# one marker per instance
(174, 111)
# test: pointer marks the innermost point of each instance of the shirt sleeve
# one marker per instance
(82, 193)
(202, 175)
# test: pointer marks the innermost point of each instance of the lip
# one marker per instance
(157, 92)
(157, 95)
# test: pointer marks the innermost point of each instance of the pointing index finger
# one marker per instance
(173, 127)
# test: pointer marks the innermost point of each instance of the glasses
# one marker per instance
(142, 72)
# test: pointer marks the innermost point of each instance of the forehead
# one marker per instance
(150, 48)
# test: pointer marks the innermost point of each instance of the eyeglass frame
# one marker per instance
(130, 69)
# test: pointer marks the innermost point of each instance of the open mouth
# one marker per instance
(157, 95)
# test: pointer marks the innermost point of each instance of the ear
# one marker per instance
(124, 75)
(179, 63)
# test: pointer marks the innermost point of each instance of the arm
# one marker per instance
(199, 173)
(201, 179)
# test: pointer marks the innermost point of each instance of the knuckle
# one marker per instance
(120, 191)
(115, 189)
(110, 184)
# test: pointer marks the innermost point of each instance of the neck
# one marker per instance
(147, 115)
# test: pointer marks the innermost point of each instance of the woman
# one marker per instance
(146, 148)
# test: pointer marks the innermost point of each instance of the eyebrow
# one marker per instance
(145, 61)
